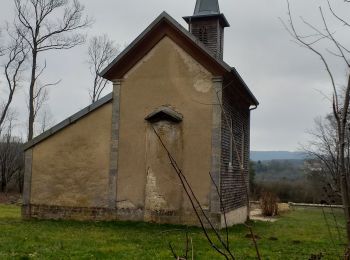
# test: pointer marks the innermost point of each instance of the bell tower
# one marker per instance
(207, 24)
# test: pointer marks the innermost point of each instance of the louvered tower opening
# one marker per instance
(207, 25)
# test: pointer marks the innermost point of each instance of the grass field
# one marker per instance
(296, 235)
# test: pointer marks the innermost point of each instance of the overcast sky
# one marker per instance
(286, 79)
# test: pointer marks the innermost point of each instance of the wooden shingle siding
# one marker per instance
(221, 40)
(209, 33)
(232, 184)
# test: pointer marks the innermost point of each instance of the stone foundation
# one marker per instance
(67, 213)
(105, 214)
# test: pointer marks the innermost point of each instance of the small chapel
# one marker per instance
(171, 89)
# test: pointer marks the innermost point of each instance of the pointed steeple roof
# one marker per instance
(204, 7)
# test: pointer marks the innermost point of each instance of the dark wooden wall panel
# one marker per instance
(232, 184)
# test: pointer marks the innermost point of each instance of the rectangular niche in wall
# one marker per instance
(163, 191)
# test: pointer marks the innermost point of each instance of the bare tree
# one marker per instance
(41, 108)
(47, 25)
(45, 120)
(323, 157)
(11, 159)
(16, 54)
(1, 47)
(223, 246)
(329, 37)
(41, 96)
(101, 52)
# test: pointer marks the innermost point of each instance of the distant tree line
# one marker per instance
(290, 180)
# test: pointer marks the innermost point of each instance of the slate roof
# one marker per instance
(164, 16)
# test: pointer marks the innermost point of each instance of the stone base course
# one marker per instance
(106, 214)
(67, 213)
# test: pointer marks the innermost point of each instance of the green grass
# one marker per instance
(299, 234)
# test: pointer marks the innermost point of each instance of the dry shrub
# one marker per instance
(269, 204)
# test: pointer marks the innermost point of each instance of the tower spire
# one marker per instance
(208, 24)
(204, 7)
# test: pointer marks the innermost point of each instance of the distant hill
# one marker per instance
(277, 170)
(276, 155)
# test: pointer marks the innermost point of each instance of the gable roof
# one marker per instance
(244, 85)
(165, 25)
(69, 121)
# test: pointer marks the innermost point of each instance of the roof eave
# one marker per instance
(254, 100)
(221, 17)
(70, 120)
(130, 46)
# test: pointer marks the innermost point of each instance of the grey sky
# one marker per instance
(285, 78)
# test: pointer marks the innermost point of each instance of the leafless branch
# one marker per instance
(222, 208)
(337, 16)
(293, 32)
(328, 35)
(335, 42)
(187, 249)
(101, 52)
(196, 204)
(16, 56)
(328, 227)
(36, 22)
(240, 160)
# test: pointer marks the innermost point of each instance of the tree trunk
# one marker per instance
(344, 182)
(6, 108)
(3, 180)
(31, 95)
(20, 184)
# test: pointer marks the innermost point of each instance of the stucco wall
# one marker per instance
(71, 167)
(166, 76)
